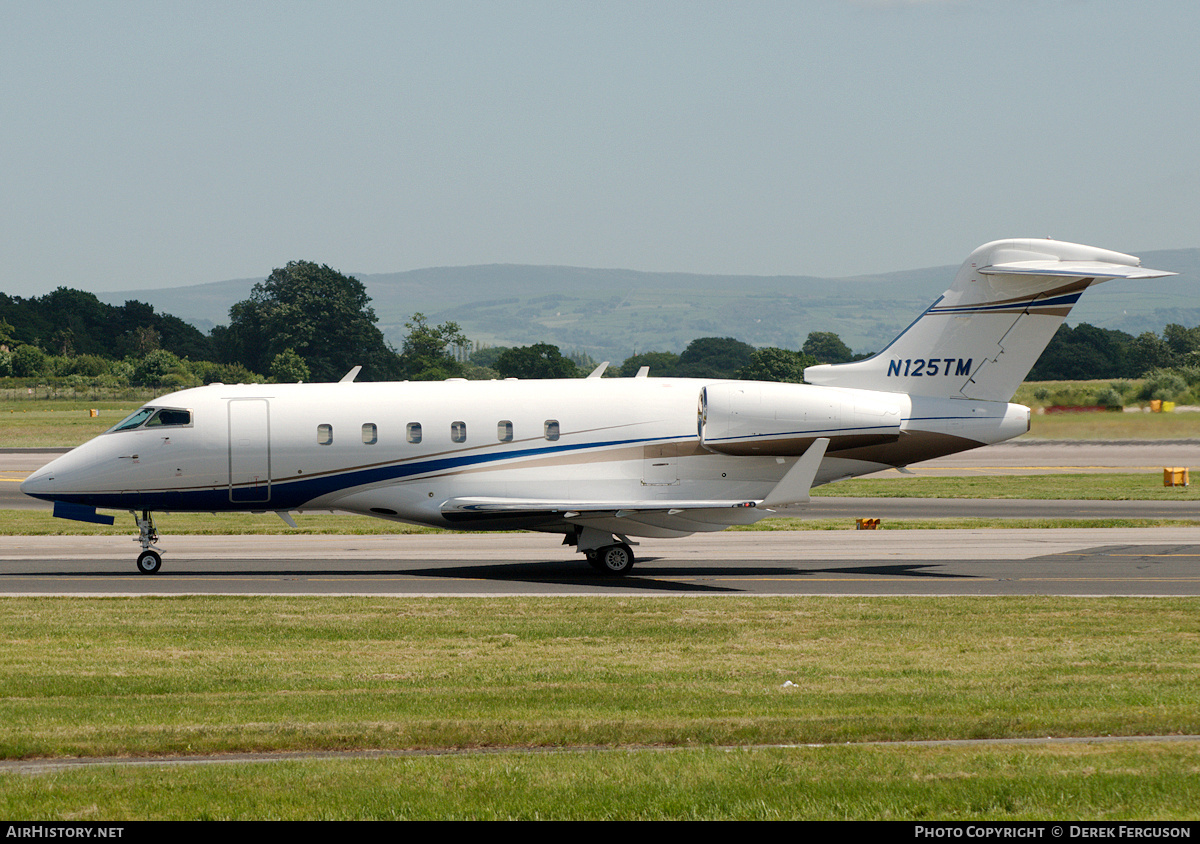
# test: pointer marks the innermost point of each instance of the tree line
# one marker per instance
(309, 322)
(1086, 352)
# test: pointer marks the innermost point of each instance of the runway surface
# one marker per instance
(1121, 561)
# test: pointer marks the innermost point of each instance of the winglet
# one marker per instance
(793, 487)
(351, 375)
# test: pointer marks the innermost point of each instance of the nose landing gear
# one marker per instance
(150, 560)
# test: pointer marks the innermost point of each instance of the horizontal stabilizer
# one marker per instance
(1073, 269)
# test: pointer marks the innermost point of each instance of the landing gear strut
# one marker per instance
(149, 561)
(605, 552)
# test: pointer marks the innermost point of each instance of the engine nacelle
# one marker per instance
(767, 418)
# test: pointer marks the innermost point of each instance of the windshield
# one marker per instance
(133, 420)
(154, 418)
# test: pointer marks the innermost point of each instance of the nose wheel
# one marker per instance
(150, 560)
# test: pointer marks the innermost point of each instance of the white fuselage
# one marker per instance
(355, 446)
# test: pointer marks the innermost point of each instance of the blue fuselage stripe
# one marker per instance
(293, 493)
(1057, 301)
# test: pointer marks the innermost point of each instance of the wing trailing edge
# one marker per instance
(792, 489)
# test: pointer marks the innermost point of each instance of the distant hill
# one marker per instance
(611, 314)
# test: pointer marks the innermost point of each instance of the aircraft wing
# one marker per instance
(643, 518)
(467, 508)
(685, 515)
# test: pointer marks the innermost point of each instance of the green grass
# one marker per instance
(1100, 486)
(1149, 781)
(1114, 426)
(42, 523)
(58, 423)
(219, 674)
(136, 677)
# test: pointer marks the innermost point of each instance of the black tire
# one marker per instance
(149, 562)
(616, 559)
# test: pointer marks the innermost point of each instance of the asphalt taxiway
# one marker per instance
(1118, 561)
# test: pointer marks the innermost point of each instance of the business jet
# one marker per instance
(596, 460)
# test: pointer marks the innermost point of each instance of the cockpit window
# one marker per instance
(133, 420)
(154, 418)
(167, 417)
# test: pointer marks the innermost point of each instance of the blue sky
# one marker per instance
(168, 143)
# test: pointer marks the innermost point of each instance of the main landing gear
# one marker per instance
(150, 560)
(615, 559)
(604, 552)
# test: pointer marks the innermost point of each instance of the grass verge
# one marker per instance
(1114, 426)
(217, 674)
(136, 677)
(1100, 486)
(1149, 781)
(56, 423)
(42, 523)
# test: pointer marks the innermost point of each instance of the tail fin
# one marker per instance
(982, 336)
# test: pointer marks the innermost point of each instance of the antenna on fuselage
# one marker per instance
(351, 375)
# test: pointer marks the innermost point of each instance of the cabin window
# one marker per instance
(370, 434)
(324, 434)
(458, 432)
(551, 429)
(414, 432)
(504, 431)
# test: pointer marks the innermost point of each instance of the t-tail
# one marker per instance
(982, 336)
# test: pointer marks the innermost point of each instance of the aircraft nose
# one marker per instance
(39, 484)
(55, 478)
